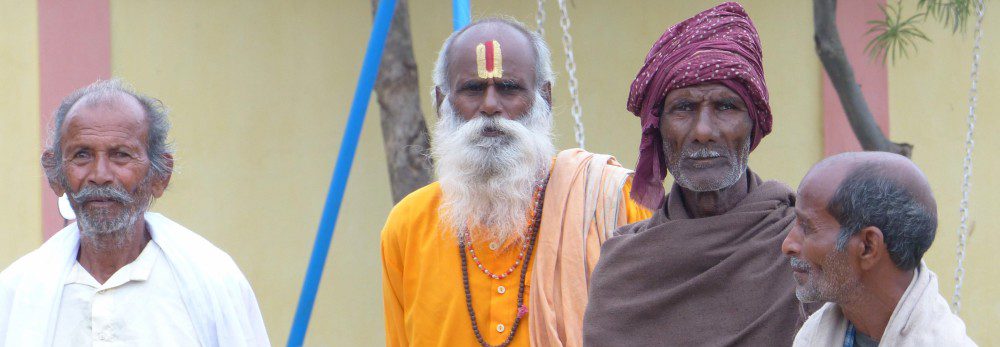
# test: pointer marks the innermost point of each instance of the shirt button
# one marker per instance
(501, 289)
(102, 291)
(494, 246)
(500, 328)
(102, 337)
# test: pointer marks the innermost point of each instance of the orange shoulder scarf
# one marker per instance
(583, 207)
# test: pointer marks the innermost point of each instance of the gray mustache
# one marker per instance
(109, 192)
(799, 264)
(703, 153)
(481, 125)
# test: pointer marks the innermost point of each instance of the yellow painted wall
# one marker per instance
(20, 172)
(928, 103)
(259, 92)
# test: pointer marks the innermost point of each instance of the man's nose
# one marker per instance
(705, 129)
(491, 102)
(100, 172)
(790, 246)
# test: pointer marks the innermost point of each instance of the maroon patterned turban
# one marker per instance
(719, 45)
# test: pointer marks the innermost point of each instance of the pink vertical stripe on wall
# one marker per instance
(872, 76)
(74, 50)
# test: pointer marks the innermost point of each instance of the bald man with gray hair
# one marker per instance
(863, 223)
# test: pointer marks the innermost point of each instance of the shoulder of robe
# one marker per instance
(622, 238)
(416, 207)
(198, 250)
(632, 229)
(935, 318)
(780, 191)
(574, 156)
(28, 264)
(207, 256)
(821, 319)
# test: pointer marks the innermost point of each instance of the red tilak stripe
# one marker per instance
(489, 56)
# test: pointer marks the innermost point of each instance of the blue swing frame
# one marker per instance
(461, 15)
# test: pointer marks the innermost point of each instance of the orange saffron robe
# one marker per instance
(423, 298)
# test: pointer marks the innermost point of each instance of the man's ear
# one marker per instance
(160, 184)
(874, 248)
(48, 165)
(439, 97)
(547, 93)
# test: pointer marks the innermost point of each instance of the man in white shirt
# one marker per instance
(121, 276)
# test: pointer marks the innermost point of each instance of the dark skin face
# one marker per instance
(510, 96)
(813, 237)
(103, 144)
(814, 234)
(706, 116)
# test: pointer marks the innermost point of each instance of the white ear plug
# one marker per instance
(65, 209)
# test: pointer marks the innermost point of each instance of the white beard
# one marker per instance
(489, 182)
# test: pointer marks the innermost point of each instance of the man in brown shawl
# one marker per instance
(707, 268)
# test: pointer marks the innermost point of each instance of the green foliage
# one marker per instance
(897, 35)
(953, 13)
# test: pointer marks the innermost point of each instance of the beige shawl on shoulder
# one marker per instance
(921, 318)
(583, 207)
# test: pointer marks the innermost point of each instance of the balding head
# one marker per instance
(877, 189)
(113, 93)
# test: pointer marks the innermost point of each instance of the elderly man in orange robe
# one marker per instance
(499, 250)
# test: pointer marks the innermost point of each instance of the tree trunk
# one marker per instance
(831, 53)
(404, 132)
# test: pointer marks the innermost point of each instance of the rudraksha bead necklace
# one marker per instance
(520, 257)
(521, 309)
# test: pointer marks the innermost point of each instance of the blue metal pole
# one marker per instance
(348, 146)
(461, 13)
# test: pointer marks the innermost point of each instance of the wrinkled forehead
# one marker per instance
(512, 50)
(704, 90)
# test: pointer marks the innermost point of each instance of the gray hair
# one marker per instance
(868, 196)
(543, 58)
(157, 147)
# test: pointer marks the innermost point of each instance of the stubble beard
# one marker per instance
(835, 284)
(737, 166)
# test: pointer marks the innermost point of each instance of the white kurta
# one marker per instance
(219, 302)
(140, 305)
(921, 318)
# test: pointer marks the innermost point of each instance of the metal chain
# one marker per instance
(574, 89)
(540, 17)
(963, 228)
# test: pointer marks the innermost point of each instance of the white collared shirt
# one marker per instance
(140, 305)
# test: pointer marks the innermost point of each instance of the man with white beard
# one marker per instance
(527, 229)
(121, 275)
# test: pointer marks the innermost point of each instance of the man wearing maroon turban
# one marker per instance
(707, 268)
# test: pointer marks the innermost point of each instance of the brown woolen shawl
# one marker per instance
(714, 281)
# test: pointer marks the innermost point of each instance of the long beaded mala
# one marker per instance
(521, 309)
